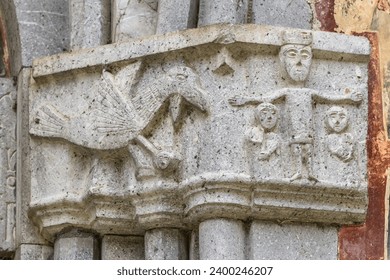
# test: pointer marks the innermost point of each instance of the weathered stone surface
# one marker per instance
(26, 231)
(326, 44)
(133, 19)
(222, 239)
(43, 28)
(34, 252)
(296, 14)
(7, 165)
(89, 23)
(194, 245)
(116, 247)
(292, 242)
(10, 38)
(76, 246)
(166, 244)
(211, 12)
(176, 15)
(164, 133)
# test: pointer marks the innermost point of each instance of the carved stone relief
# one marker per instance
(8, 164)
(222, 124)
(133, 19)
(296, 58)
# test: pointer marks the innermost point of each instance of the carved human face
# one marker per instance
(297, 60)
(337, 119)
(267, 116)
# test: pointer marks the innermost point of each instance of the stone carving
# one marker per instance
(116, 121)
(8, 165)
(341, 145)
(264, 143)
(135, 158)
(296, 57)
(133, 19)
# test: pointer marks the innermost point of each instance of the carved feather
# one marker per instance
(113, 113)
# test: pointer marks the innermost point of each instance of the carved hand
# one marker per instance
(356, 96)
(237, 101)
(165, 160)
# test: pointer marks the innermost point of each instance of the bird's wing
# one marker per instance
(113, 113)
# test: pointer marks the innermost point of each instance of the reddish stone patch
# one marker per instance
(3, 35)
(368, 240)
(325, 14)
(384, 5)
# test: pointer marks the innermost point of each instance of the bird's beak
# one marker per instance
(197, 97)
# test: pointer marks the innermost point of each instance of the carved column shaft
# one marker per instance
(75, 245)
(90, 23)
(222, 239)
(176, 15)
(211, 12)
(166, 244)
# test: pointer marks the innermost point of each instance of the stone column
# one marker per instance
(222, 239)
(211, 12)
(76, 245)
(116, 247)
(295, 14)
(89, 22)
(166, 244)
(176, 15)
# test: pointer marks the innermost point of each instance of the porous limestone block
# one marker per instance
(89, 23)
(7, 165)
(116, 247)
(176, 15)
(194, 245)
(166, 244)
(133, 19)
(44, 28)
(76, 246)
(34, 252)
(187, 127)
(211, 12)
(222, 239)
(26, 231)
(273, 241)
(296, 14)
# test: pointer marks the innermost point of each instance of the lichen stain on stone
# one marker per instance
(325, 14)
(367, 241)
(384, 5)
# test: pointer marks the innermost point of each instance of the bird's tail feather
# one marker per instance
(49, 122)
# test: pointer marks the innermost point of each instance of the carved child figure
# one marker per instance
(296, 57)
(266, 115)
(339, 143)
(264, 143)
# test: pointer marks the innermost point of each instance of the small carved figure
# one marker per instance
(266, 114)
(338, 142)
(296, 57)
(264, 143)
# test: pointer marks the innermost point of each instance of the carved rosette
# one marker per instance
(179, 131)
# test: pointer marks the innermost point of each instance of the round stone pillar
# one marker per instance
(222, 239)
(76, 245)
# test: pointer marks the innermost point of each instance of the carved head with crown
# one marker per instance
(295, 54)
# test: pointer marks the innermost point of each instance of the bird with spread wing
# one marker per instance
(118, 120)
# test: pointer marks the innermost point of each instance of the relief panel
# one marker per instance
(236, 121)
